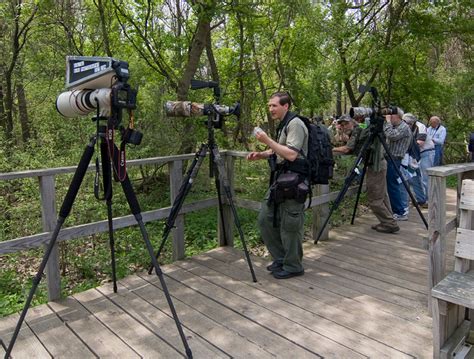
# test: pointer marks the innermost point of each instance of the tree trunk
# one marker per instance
(8, 108)
(18, 40)
(2, 109)
(23, 110)
(339, 98)
(263, 90)
(197, 46)
(103, 26)
(241, 126)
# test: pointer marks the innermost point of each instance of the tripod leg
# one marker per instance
(107, 180)
(63, 213)
(405, 184)
(359, 191)
(221, 211)
(347, 182)
(225, 184)
(181, 196)
(136, 211)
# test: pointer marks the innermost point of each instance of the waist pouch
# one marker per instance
(288, 186)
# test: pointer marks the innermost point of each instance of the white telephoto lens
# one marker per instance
(82, 102)
(102, 97)
(72, 104)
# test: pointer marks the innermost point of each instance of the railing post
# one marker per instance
(176, 178)
(49, 219)
(320, 214)
(436, 232)
(226, 233)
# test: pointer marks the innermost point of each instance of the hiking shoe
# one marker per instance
(386, 229)
(400, 217)
(423, 205)
(275, 266)
(374, 226)
(283, 274)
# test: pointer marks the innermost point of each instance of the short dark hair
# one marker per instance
(283, 97)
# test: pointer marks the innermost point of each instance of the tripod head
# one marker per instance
(375, 113)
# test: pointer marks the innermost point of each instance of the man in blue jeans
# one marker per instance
(399, 137)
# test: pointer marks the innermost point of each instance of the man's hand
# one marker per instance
(253, 156)
(261, 136)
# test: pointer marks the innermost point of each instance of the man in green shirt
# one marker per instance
(282, 224)
(377, 195)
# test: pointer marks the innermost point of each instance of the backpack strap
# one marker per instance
(286, 122)
(298, 165)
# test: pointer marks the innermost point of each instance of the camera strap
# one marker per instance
(122, 163)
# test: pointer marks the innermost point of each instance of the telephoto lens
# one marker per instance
(360, 112)
(184, 109)
(82, 102)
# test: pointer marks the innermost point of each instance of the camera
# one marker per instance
(96, 83)
(215, 111)
(389, 110)
(367, 111)
(193, 109)
(360, 112)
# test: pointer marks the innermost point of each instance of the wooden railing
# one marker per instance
(438, 226)
(47, 179)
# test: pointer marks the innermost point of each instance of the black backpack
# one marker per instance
(319, 161)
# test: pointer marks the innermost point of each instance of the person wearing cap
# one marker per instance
(398, 136)
(377, 196)
(342, 131)
(427, 153)
(437, 132)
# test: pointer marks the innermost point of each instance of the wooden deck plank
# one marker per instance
(373, 263)
(27, 344)
(184, 288)
(391, 284)
(342, 242)
(279, 335)
(404, 335)
(293, 306)
(357, 301)
(55, 335)
(102, 341)
(220, 334)
(155, 319)
(141, 340)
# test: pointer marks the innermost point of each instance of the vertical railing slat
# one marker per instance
(49, 216)
(436, 232)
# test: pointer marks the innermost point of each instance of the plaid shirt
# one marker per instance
(398, 138)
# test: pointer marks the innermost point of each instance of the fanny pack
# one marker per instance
(289, 185)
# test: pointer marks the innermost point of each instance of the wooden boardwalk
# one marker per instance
(364, 294)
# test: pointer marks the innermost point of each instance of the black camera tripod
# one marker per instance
(66, 207)
(376, 132)
(216, 164)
